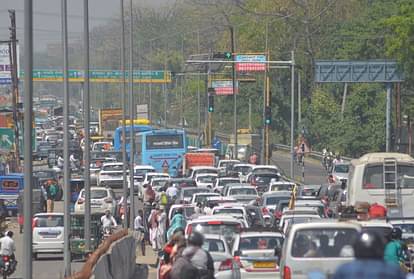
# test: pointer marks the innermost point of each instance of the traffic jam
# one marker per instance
(255, 223)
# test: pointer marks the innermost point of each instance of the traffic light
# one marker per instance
(210, 103)
(268, 115)
(223, 55)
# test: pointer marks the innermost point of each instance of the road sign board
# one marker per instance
(252, 62)
(223, 87)
(106, 76)
(5, 67)
(6, 139)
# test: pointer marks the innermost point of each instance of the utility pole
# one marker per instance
(292, 116)
(66, 169)
(28, 156)
(15, 86)
(124, 112)
(233, 78)
(132, 116)
(86, 116)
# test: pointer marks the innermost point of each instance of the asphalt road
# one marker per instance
(314, 172)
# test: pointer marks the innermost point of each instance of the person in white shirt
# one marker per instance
(108, 221)
(139, 230)
(162, 226)
(171, 192)
(7, 246)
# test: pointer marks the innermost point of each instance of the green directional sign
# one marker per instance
(102, 76)
(6, 139)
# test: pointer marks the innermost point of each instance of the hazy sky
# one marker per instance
(47, 20)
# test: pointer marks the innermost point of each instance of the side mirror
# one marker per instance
(237, 253)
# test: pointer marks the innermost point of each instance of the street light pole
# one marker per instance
(66, 168)
(86, 115)
(124, 112)
(233, 77)
(28, 119)
(131, 108)
(292, 116)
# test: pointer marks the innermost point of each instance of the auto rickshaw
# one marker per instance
(77, 240)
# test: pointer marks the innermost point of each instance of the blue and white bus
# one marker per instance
(163, 149)
(118, 136)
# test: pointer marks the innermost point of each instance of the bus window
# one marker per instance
(406, 176)
(373, 177)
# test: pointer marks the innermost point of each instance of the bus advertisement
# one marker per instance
(164, 150)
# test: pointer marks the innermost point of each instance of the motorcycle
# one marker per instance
(8, 267)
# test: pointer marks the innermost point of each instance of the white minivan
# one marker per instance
(47, 233)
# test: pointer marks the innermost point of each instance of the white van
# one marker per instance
(319, 247)
(366, 182)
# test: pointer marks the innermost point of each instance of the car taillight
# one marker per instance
(5, 258)
(81, 201)
(226, 265)
(278, 214)
(34, 223)
(265, 210)
(287, 274)
(238, 262)
(238, 228)
(189, 229)
(214, 222)
(108, 200)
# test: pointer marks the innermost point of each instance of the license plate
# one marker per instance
(264, 264)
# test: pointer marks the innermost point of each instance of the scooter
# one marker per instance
(8, 267)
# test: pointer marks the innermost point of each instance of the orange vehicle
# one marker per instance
(194, 159)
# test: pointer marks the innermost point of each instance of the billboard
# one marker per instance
(5, 67)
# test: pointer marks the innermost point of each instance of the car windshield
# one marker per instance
(265, 179)
(341, 168)
(229, 211)
(159, 183)
(242, 169)
(282, 204)
(44, 174)
(224, 182)
(142, 171)
(406, 228)
(48, 221)
(324, 243)
(273, 200)
(214, 245)
(218, 227)
(260, 243)
(96, 194)
(188, 193)
(380, 230)
(203, 198)
(188, 211)
(242, 191)
(282, 187)
(113, 168)
(206, 179)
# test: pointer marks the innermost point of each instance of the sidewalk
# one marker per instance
(146, 265)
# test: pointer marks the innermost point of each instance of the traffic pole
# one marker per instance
(66, 168)
(124, 112)
(28, 157)
(292, 117)
(233, 78)
(132, 108)
(86, 127)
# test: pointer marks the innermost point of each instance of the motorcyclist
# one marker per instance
(108, 221)
(7, 248)
(393, 252)
(369, 262)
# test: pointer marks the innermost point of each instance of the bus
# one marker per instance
(118, 136)
(163, 149)
(384, 178)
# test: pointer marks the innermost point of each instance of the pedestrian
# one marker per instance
(153, 226)
(195, 261)
(393, 253)
(253, 158)
(52, 190)
(369, 262)
(162, 226)
(177, 222)
(172, 251)
(149, 194)
(139, 231)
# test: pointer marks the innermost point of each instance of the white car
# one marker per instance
(340, 172)
(234, 210)
(255, 253)
(111, 175)
(281, 186)
(288, 220)
(224, 265)
(223, 181)
(243, 194)
(102, 199)
(257, 169)
(224, 164)
(194, 171)
(202, 197)
(205, 179)
(48, 233)
(102, 146)
(243, 170)
(148, 176)
(317, 247)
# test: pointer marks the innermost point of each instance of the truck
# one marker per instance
(194, 159)
(246, 144)
(108, 121)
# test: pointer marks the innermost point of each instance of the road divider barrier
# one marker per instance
(113, 259)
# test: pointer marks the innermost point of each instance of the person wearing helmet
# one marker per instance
(369, 260)
(393, 252)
